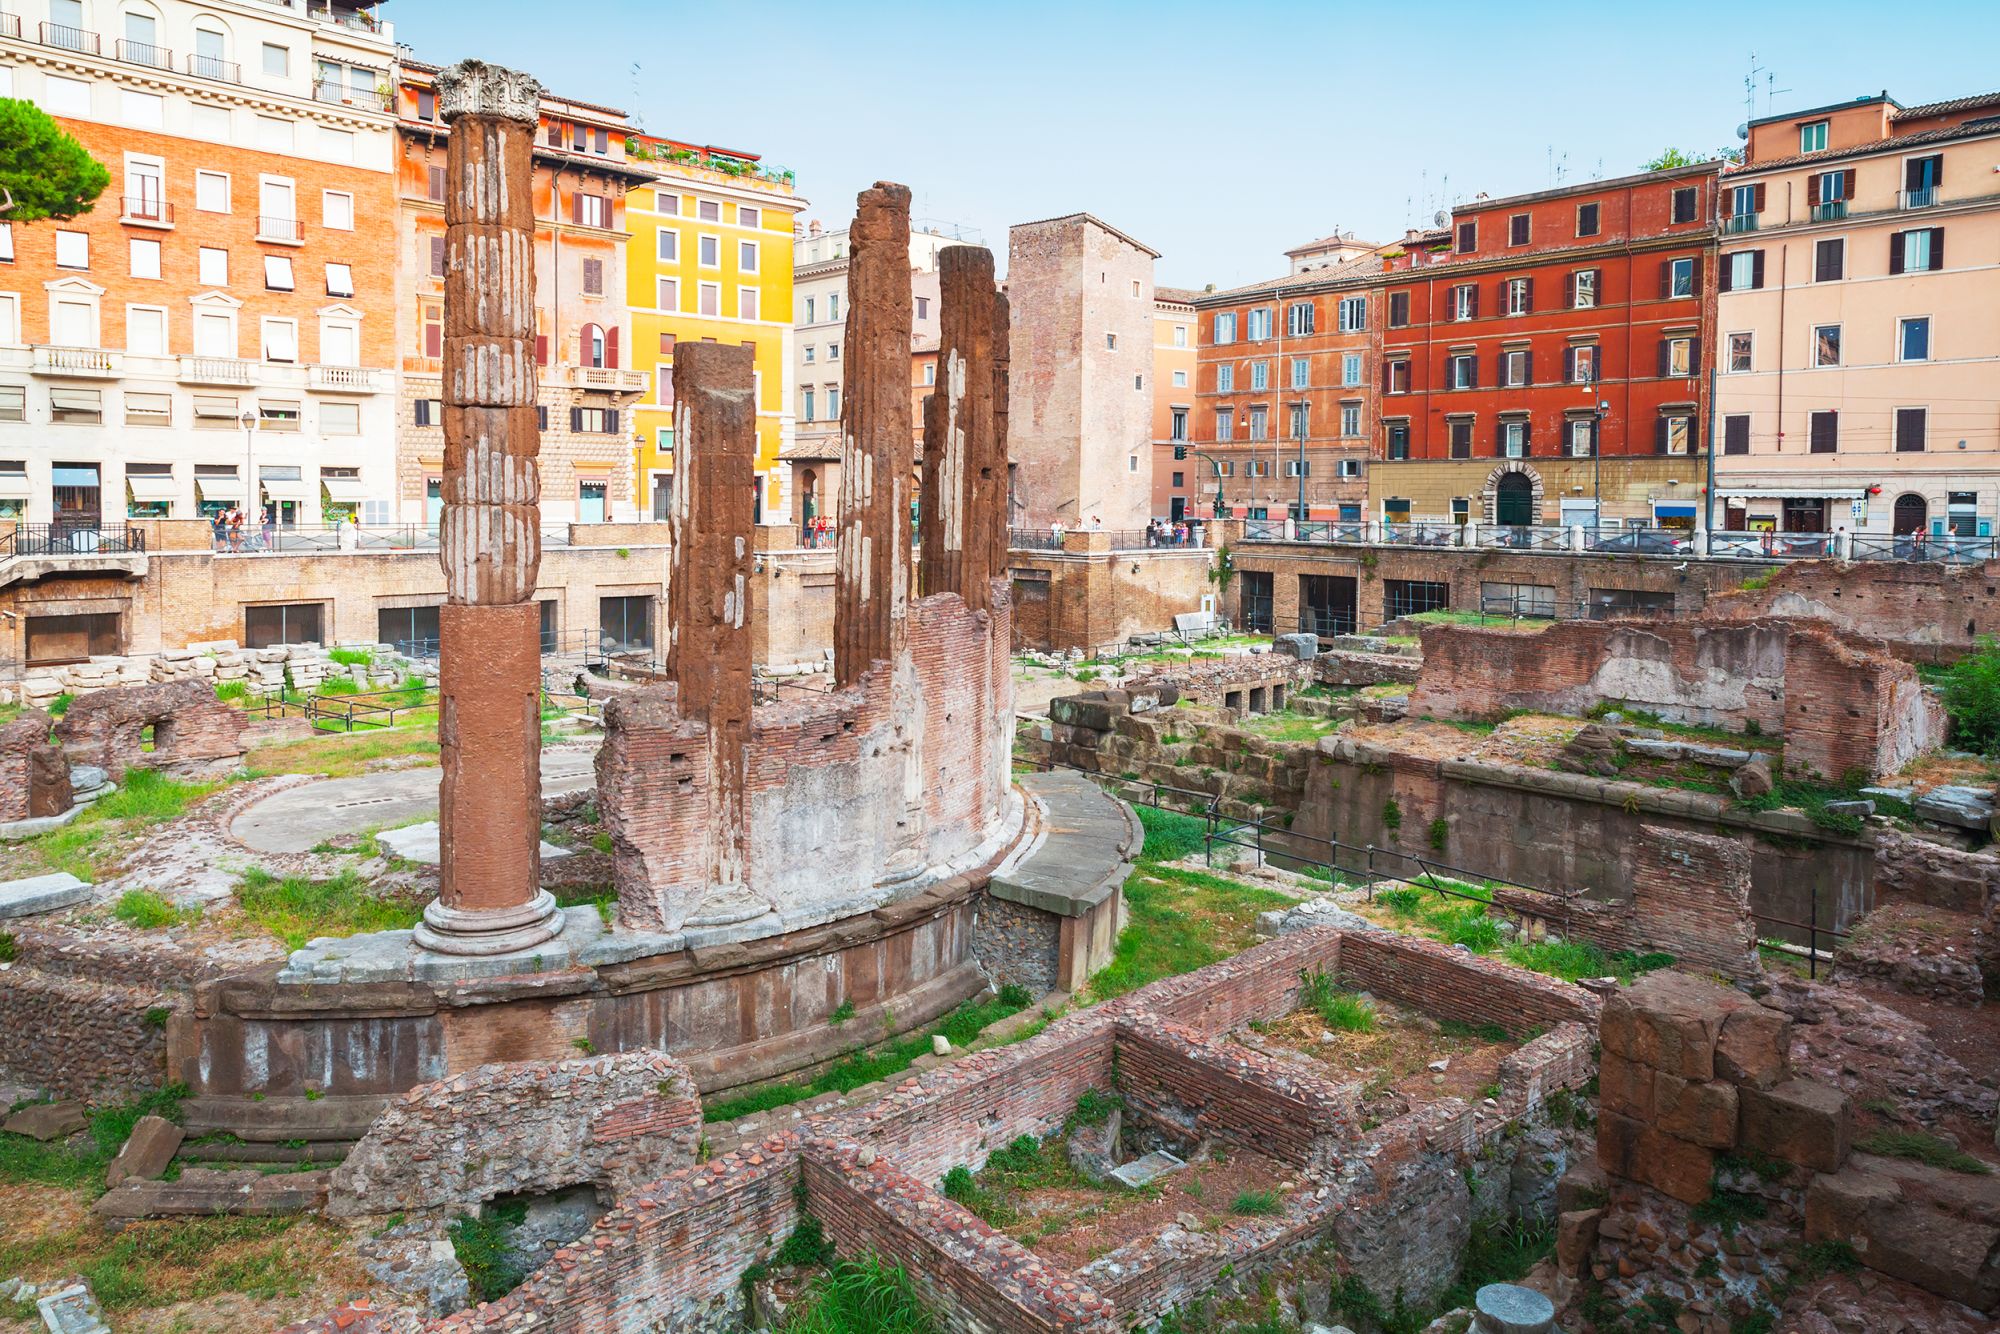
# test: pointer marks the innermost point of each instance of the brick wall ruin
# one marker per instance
(1926, 611)
(34, 773)
(193, 733)
(1841, 706)
(523, 1127)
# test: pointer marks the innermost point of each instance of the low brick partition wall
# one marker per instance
(1926, 611)
(1448, 983)
(980, 1279)
(194, 733)
(1342, 667)
(1149, 1278)
(1228, 681)
(1202, 1088)
(34, 773)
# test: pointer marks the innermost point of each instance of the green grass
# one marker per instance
(1025, 1164)
(1972, 698)
(1289, 726)
(296, 909)
(1258, 1204)
(1812, 799)
(1571, 960)
(339, 685)
(31, 1162)
(1922, 1147)
(1336, 1008)
(866, 1295)
(60, 704)
(352, 657)
(144, 797)
(147, 911)
(1178, 921)
(1171, 836)
(228, 690)
(481, 1245)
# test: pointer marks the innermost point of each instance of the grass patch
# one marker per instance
(232, 690)
(155, 1264)
(605, 900)
(86, 845)
(339, 685)
(339, 756)
(482, 1245)
(1572, 960)
(1023, 1165)
(1257, 1204)
(1728, 1209)
(352, 657)
(1811, 799)
(1170, 835)
(1289, 726)
(1336, 1008)
(866, 1295)
(145, 910)
(1972, 698)
(1180, 920)
(1923, 1147)
(296, 909)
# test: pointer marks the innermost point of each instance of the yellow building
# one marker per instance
(710, 259)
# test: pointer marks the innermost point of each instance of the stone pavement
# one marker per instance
(299, 819)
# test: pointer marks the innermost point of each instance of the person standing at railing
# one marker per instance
(235, 530)
(268, 521)
(349, 533)
(219, 526)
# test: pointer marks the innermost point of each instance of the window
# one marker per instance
(1677, 277)
(75, 637)
(278, 273)
(746, 256)
(1458, 431)
(1465, 302)
(1468, 237)
(1397, 377)
(833, 402)
(1517, 229)
(1582, 364)
(339, 343)
(336, 210)
(1225, 423)
(1516, 367)
(746, 303)
(1353, 314)
(1225, 379)
(1350, 369)
(145, 258)
(1745, 201)
(833, 352)
(1812, 137)
(211, 191)
(281, 340)
(1743, 270)
(73, 323)
(591, 210)
(810, 350)
(667, 296)
(1920, 251)
(1260, 374)
(340, 419)
(1301, 372)
(1299, 319)
(1399, 440)
(412, 630)
(1463, 371)
(6, 243)
(808, 413)
(72, 250)
(1913, 339)
(1823, 432)
(291, 623)
(709, 302)
(1178, 428)
(1399, 310)
(1826, 345)
(1736, 434)
(1257, 328)
(1582, 437)
(592, 345)
(1678, 357)
(832, 306)
(146, 330)
(437, 256)
(10, 319)
(1739, 354)
(213, 267)
(708, 210)
(1180, 335)
(749, 217)
(214, 335)
(1180, 379)
(431, 320)
(1350, 420)
(277, 60)
(708, 252)
(1514, 439)
(1686, 198)
(1676, 433)
(1225, 327)
(930, 372)
(76, 407)
(434, 185)
(594, 421)
(340, 280)
(1829, 259)
(277, 415)
(593, 277)
(1111, 341)
(1586, 219)
(1518, 296)
(148, 409)
(214, 413)
(1298, 427)
(1910, 423)
(1259, 423)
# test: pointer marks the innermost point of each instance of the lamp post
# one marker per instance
(1597, 470)
(249, 420)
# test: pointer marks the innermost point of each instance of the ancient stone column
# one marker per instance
(872, 560)
(995, 517)
(489, 718)
(934, 573)
(708, 583)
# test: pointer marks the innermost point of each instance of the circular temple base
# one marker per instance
(490, 931)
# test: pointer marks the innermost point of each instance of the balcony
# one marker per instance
(10, 25)
(348, 380)
(217, 370)
(71, 39)
(146, 211)
(569, 375)
(76, 363)
(280, 231)
(1740, 222)
(336, 93)
(144, 53)
(1924, 198)
(1832, 210)
(216, 68)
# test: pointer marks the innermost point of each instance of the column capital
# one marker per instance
(475, 88)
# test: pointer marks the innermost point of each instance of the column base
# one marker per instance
(490, 930)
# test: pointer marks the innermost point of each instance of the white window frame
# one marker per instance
(1749, 338)
(749, 215)
(275, 265)
(667, 245)
(666, 293)
(1839, 348)
(144, 245)
(342, 322)
(166, 341)
(704, 243)
(1180, 379)
(747, 302)
(1674, 292)
(1225, 327)
(326, 212)
(337, 270)
(1350, 421)
(75, 243)
(276, 323)
(1930, 339)
(202, 261)
(10, 319)
(213, 179)
(1583, 290)
(703, 300)
(85, 295)
(211, 309)
(748, 251)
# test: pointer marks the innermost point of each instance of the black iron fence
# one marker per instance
(69, 539)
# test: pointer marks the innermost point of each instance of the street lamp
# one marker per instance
(249, 420)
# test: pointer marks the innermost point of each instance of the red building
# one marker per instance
(1543, 359)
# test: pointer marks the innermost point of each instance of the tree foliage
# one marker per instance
(1972, 698)
(47, 173)
(1674, 157)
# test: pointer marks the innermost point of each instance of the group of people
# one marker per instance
(1161, 533)
(819, 532)
(228, 527)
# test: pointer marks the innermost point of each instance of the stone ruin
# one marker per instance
(194, 734)
(820, 805)
(34, 774)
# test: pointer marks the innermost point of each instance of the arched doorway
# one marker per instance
(1514, 501)
(1911, 514)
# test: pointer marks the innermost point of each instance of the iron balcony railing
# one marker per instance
(215, 67)
(1740, 222)
(278, 229)
(1033, 539)
(144, 53)
(335, 92)
(71, 39)
(71, 539)
(1523, 537)
(1420, 534)
(1927, 197)
(146, 208)
(1831, 210)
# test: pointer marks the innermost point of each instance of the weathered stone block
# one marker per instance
(1754, 1048)
(1624, 1086)
(1702, 1113)
(47, 1120)
(1950, 1251)
(1576, 1239)
(1637, 1152)
(151, 1146)
(1670, 1021)
(1801, 1121)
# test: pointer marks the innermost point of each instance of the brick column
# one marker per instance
(995, 512)
(935, 571)
(708, 581)
(489, 719)
(872, 583)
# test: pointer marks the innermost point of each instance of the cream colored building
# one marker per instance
(1858, 339)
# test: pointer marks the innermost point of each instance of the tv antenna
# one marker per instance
(638, 114)
(1771, 91)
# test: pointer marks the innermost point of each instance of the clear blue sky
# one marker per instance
(1219, 134)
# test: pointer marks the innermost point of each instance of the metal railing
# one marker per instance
(71, 39)
(336, 93)
(1033, 539)
(1422, 534)
(357, 537)
(1812, 931)
(1924, 198)
(144, 53)
(1638, 541)
(215, 67)
(71, 539)
(1264, 530)
(1918, 547)
(1740, 222)
(278, 229)
(1770, 546)
(1832, 210)
(1523, 537)
(1326, 622)
(146, 209)
(1127, 539)
(1257, 614)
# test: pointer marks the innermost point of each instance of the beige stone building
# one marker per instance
(1080, 396)
(1858, 343)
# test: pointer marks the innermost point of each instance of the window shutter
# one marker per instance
(1757, 270)
(1937, 247)
(1913, 174)
(1528, 366)
(1895, 252)
(1725, 282)
(1694, 356)
(1662, 371)
(1758, 203)
(1847, 184)
(433, 341)
(576, 419)
(1937, 171)
(611, 422)
(423, 412)
(1812, 190)
(1596, 428)
(1472, 364)
(1569, 289)
(1728, 202)
(1698, 261)
(611, 347)
(1660, 432)
(1666, 278)
(576, 208)
(1528, 297)
(1736, 435)
(437, 257)
(541, 349)
(1569, 365)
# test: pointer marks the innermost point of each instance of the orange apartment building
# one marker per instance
(584, 343)
(1174, 354)
(219, 330)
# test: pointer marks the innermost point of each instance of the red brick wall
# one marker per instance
(1691, 898)
(1449, 983)
(1206, 1088)
(1928, 612)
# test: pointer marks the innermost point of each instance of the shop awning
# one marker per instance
(1798, 493)
(228, 488)
(342, 490)
(13, 486)
(1663, 510)
(152, 485)
(288, 488)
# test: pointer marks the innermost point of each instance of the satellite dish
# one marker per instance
(1743, 131)
(1442, 218)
